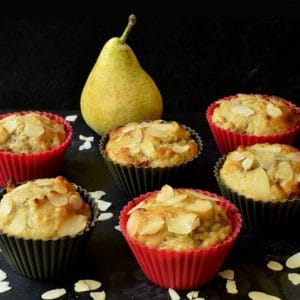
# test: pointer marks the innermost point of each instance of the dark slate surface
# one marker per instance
(108, 259)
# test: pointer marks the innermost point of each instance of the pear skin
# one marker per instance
(118, 90)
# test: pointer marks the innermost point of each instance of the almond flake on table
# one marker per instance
(98, 295)
(117, 227)
(86, 138)
(4, 286)
(97, 194)
(293, 261)
(231, 287)
(255, 295)
(294, 278)
(86, 285)
(3, 275)
(85, 146)
(105, 216)
(71, 118)
(227, 274)
(173, 294)
(103, 205)
(53, 294)
(274, 265)
(192, 295)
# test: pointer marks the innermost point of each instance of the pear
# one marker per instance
(118, 90)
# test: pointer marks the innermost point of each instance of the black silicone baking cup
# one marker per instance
(265, 217)
(47, 259)
(136, 180)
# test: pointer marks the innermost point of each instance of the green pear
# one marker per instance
(118, 90)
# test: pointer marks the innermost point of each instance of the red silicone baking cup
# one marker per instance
(186, 269)
(20, 166)
(227, 140)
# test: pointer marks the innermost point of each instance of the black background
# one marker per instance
(195, 53)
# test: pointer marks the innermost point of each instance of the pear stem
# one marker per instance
(131, 22)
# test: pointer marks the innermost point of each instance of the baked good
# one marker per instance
(30, 133)
(255, 114)
(151, 144)
(247, 119)
(180, 237)
(143, 156)
(32, 145)
(179, 219)
(45, 224)
(263, 171)
(46, 208)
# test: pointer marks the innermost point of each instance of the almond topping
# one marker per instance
(247, 163)
(265, 159)
(57, 199)
(274, 265)
(33, 130)
(128, 128)
(294, 156)
(179, 148)
(242, 110)
(53, 294)
(165, 193)
(273, 110)
(134, 148)
(236, 156)
(133, 223)
(175, 199)
(192, 295)
(3, 275)
(147, 148)
(183, 224)
(73, 225)
(173, 294)
(162, 126)
(285, 171)
(157, 132)
(294, 278)
(137, 136)
(10, 125)
(18, 223)
(201, 208)
(6, 206)
(153, 226)
(76, 202)
(227, 274)
(86, 285)
(231, 287)
(261, 296)
(98, 295)
(260, 182)
(293, 262)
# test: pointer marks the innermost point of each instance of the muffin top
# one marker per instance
(263, 171)
(255, 114)
(44, 209)
(30, 133)
(179, 219)
(151, 144)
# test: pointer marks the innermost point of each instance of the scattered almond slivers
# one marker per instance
(97, 194)
(274, 265)
(202, 208)
(255, 295)
(154, 226)
(273, 111)
(86, 138)
(285, 171)
(293, 261)
(3, 275)
(105, 216)
(117, 227)
(231, 287)
(242, 110)
(173, 294)
(192, 295)
(71, 118)
(294, 278)
(227, 274)
(86, 285)
(98, 295)
(4, 286)
(103, 205)
(53, 294)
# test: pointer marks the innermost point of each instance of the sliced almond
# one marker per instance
(175, 199)
(98, 295)
(6, 206)
(294, 278)
(105, 216)
(227, 274)
(274, 265)
(103, 205)
(183, 223)
(274, 149)
(57, 199)
(97, 194)
(71, 118)
(10, 124)
(242, 110)
(202, 208)
(18, 223)
(255, 295)
(285, 171)
(33, 130)
(3, 275)
(247, 163)
(138, 206)
(53, 294)
(117, 227)
(236, 156)
(298, 178)
(258, 179)
(76, 202)
(73, 225)
(85, 146)
(133, 223)
(165, 193)
(133, 149)
(192, 295)
(273, 111)
(147, 148)
(137, 135)
(173, 294)
(202, 196)
(163, 126)
(86, 285)
(265, 159)
(128, 128)
(294, 156)
(4, 287)
(86, 138)
(180, 148)
(153, 226)
(293, 262)
(157, 132)
(231, 287)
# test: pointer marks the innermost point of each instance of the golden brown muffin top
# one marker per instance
(44, 209)
(255, 114)
(30, 133)
(179, 219)
(151, 144)
(263, 171)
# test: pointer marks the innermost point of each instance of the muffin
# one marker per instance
(32, 145)
(142, 156)
(247, 119)
(263, 180)
(44, 224)
(180, 237)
